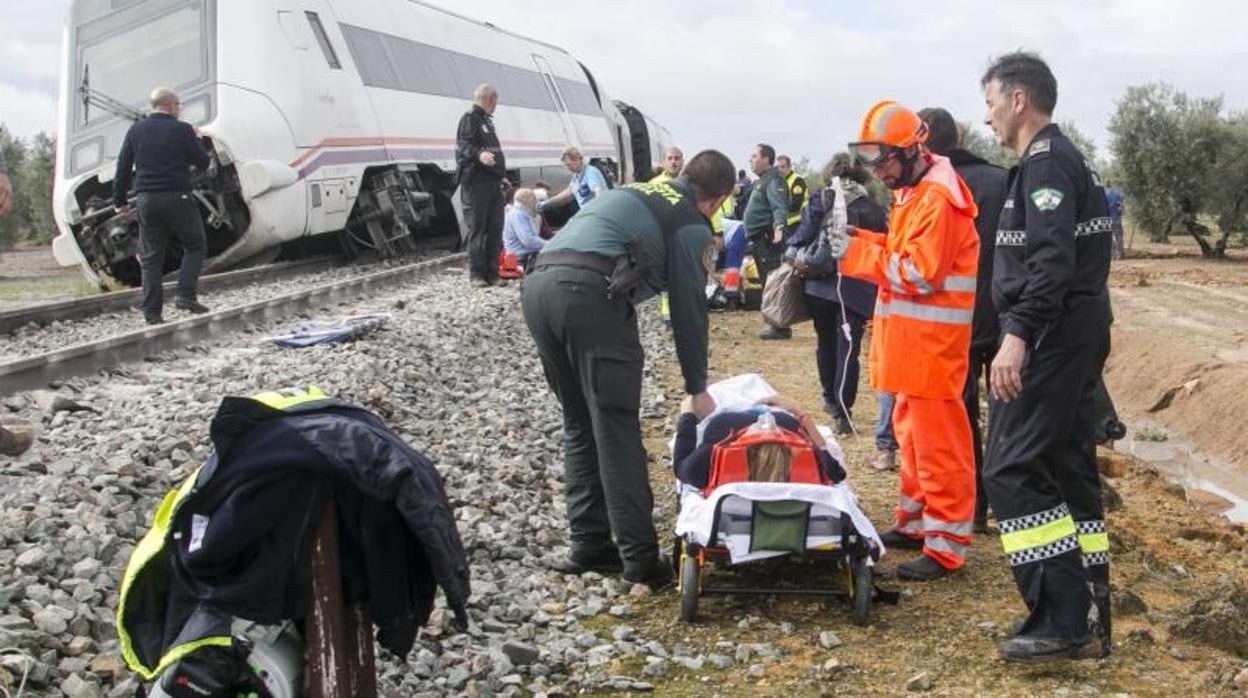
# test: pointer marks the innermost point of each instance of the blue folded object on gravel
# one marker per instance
(310, 333)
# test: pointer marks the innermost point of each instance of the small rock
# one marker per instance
(756, 671)
(829, 640)
(640, 591)
(1241, 680)
(786, 628)
(622, 632)
(988, 628)
(1127, 603)
(1178, 653)
(520, 654)
(107, 666)
(919, 683)
(831, 667)
(1139, 636)
(742, 654)
(77, 687)
(690, 663)
(720, 661)
(32, 559)
(79, 645)
(50, 623)
(655, 669)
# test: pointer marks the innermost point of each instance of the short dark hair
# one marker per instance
(740, 174)
(767, 152)
(786, 158)
(845, 165)
(1026, 71)
(942, 130)
(710, 174)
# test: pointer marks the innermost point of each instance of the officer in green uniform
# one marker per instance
(579, 306)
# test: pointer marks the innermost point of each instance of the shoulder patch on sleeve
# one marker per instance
(708, 259)
(1046, 198)
(1040, 146)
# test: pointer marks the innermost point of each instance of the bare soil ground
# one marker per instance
(31, 275)
(1173, 564)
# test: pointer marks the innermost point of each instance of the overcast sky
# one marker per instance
(796, 74)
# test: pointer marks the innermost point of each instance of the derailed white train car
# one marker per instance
(322, 116)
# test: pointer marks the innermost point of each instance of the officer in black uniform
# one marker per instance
(1049, 285)
(634, 242)
(158, 154)
(482, 168)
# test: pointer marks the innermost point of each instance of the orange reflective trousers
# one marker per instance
(937, 501)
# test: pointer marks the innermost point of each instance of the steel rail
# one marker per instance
(86, 306)
(38, 371)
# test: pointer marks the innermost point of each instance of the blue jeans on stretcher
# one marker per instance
(884, 438)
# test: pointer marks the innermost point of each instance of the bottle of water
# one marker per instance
(840, 214)
(766, 422)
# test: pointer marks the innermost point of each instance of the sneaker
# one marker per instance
(775, 333)
(900, 541)
(153, 318)
(922, 569)
(843, 426)
(194, 307)
(883, 459)
(479, 283)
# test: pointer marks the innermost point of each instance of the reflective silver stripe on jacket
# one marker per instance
(915, 278)
(948, 316)
(964, 284)
(893, 272)
(1101, 224)
(1011, 238)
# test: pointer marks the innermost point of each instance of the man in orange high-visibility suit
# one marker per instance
(925, 269)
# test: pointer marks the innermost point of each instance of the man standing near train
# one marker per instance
(482, 168)
(157, 154)
(580, 306)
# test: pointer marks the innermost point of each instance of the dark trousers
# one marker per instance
(980, 362)
(483, 213)
(161, 216)
(836, 354)
(767, 255)
(1042, 480)
(592, 357)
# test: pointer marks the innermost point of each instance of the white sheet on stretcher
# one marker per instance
(698, 513)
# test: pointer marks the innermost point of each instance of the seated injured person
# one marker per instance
(691, 456)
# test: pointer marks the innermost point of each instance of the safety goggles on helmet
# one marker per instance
(872, 153)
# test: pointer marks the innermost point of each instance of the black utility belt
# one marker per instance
(624, 274)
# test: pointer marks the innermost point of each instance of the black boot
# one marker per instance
(922, 569)
(775, 333)
(604, 562)
(1039, 649)
(655, 574)
(900, 541)
(190, 306)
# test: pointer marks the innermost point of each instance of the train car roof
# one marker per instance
(489, 25)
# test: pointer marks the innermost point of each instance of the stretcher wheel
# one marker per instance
(860, 589)
(690, 585)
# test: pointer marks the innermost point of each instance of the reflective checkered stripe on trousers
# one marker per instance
(1039, 536)
(1093, 542)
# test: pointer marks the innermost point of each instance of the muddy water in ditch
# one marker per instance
(1192, 470)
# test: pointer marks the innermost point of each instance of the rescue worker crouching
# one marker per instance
(1050, 269)
(579, 307)
(925, 270)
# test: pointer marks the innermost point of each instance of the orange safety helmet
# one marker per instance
(887, 127)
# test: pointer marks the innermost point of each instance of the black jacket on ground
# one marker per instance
(162, 150)
(239, 540)
(1053, 244)
(692, 461)
(475, 134)
(988, 184)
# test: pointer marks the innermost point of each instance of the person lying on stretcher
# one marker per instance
(768, 462)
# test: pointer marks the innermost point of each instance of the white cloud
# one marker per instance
(27, 111)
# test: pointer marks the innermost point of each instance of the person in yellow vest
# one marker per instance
(799, 196)
(673, 163)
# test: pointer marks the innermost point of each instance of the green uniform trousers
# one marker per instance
(592, 357)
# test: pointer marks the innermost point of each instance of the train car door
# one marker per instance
(571, 130)
(328, 96)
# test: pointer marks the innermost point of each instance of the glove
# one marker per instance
(838, 244)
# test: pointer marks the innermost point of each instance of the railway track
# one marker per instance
(87, 306)
(36, 371)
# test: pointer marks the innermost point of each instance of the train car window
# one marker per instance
(371, 57)
(331, 56)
